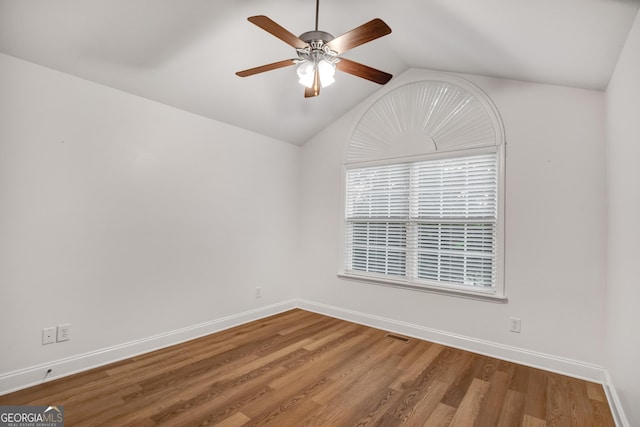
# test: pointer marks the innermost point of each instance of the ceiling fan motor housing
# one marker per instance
(316, 36)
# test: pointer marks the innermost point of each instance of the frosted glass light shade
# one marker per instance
(306, 73)
(327, 71)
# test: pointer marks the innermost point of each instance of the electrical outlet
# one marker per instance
(48, 336)
(258, 292)
(64, 332)
(515, 324)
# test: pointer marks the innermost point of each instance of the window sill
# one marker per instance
(450, 291)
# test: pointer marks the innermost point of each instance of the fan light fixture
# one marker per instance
(316, 56)
(307, 72)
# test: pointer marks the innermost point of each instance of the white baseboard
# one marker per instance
(16, 380)
(13, 381)
(547, 362)
(614, 402)
(534, 359)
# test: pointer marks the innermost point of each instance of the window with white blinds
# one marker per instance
(426, 222)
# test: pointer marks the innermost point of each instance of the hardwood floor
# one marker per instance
(304, 369)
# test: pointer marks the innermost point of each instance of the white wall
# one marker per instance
(119, 215)
(128, 218)
(623, 249)
(555, 230)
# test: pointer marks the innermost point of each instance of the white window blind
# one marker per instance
(424, 222)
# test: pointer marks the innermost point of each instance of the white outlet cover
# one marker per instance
(64, 332)
(516, 324)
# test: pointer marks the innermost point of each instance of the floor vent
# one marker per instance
(397, 337)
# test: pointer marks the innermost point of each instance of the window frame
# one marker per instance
(496, 293)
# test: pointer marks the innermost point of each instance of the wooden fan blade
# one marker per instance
(364, 71)
(371, 30)
(275, 29)
(267, 67)
(309, 92)
(314, 90)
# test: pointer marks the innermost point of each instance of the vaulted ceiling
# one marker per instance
(184, 53)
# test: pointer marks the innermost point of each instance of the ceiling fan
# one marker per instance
(318, 53)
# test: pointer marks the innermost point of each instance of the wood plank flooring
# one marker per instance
(304, 369)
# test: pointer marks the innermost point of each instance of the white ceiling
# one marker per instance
(184, 53)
